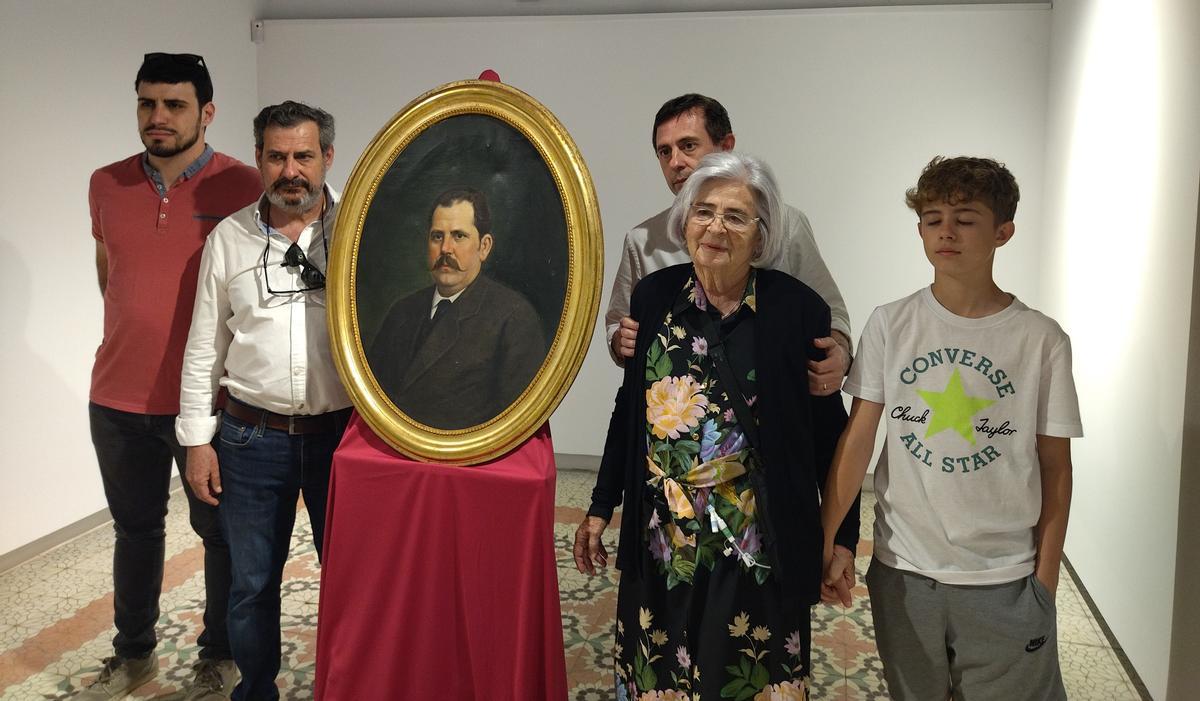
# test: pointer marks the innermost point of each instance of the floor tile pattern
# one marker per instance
(57, 613)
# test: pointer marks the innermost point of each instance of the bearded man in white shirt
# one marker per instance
(686, 129)
(258, 331)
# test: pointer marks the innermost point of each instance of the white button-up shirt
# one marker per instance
(268, 350)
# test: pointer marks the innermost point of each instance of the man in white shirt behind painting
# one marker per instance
(258, 330)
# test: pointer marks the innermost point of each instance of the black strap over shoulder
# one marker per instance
(733, 388)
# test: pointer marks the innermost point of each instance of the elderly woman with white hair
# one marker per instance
(720, 453)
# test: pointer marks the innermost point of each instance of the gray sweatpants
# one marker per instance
(971, 643)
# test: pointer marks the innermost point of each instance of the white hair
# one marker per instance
(747, 170)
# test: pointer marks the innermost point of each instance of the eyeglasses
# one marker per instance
(733, 221)
(293, 257)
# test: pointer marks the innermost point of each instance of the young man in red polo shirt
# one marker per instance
(151, 214)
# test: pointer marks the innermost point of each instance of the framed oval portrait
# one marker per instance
(465, 272)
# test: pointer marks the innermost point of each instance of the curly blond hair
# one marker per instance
(963, 179)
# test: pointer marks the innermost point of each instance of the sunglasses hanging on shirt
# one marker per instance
(294, 257)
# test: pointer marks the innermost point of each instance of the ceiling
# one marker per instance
(323, 9)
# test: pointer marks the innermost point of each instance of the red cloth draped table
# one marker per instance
(439, 582)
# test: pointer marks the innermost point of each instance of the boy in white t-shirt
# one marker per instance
(974, 484)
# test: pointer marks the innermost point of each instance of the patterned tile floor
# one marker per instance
(57, 613)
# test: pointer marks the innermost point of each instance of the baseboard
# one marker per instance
(1138, 684)
(591, 463)
(573, 461)
(63, 535)
(9, 560)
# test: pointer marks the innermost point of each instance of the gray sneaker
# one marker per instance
(214, 681)
(118, 677)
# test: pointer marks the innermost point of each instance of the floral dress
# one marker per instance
(706, 620)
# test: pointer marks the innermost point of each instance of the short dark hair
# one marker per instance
(289, 114)
(177, 68)
(716, 119)
(963, 179)
(477, 200)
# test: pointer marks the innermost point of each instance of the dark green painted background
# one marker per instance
(528, 223)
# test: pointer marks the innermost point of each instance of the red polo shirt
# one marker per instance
(153, 242)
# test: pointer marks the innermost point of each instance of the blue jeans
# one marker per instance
(135, 452)
(263, 472)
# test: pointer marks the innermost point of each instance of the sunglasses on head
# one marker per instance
(187, 60)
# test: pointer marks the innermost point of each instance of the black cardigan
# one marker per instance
(794, 459)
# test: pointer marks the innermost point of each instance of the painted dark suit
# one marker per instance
(474, 362)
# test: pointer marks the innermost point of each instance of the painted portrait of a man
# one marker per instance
(457, 352)
(466, 273)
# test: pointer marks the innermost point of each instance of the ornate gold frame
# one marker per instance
(585, 270)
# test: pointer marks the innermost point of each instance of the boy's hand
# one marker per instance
(1049, 579)
(839, 577)
(1054, 461)
(825, 376)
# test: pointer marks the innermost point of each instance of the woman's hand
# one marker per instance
(839, 577)
(589, 550)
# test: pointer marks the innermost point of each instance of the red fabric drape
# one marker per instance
(439, 582)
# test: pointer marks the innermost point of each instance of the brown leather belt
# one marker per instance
(317, 423)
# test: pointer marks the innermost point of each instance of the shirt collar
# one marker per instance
(437, 297)
(693, 295)
(195, 166)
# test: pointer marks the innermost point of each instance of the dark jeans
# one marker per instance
(263, 472)
(135, 453)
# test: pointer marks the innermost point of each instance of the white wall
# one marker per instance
(847, 105)
(841, 102)
(1123, 162)
(66, 95)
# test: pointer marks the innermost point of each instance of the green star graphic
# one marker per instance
(953, 409)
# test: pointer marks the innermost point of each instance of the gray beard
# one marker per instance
(303, 205)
